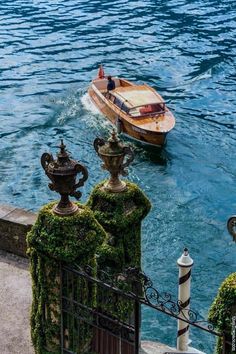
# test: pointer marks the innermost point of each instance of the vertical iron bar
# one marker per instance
(61, 293)
(72, 314)
(136, 326)
(223, 344)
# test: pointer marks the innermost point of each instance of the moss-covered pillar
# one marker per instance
(52, 240)
(121, 215)
(119, 206)
(223, 313)
(65, 233)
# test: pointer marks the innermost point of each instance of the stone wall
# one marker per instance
(14, 225)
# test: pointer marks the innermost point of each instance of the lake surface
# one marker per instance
(186, 49)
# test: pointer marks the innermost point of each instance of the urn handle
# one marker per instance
(231, 226)
(97, 143)
(79, 169)
(130, 157)
(46, 158)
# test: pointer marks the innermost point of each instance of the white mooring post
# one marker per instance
(185, 263)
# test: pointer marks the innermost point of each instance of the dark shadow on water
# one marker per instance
(154, 154)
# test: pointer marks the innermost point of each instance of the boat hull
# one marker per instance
(123, 125)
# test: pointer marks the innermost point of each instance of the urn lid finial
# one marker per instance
(62, 153)
(113, 138)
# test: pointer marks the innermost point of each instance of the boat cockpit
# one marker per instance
(135, 100)
(139, 111)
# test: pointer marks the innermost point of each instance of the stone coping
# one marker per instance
(14, 225)
(17, 215)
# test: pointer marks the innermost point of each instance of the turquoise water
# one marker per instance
(186, 50)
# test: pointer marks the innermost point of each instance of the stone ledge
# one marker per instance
(148, 347)
(15, 303)
(14, 225)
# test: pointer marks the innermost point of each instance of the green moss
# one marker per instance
(53, 240)
(120, 214)
(223, 309)
(45, 312)
(77, 240)
(119, 210)
(66, 238)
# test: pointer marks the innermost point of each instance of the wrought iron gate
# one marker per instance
(86, 328)
(104, 318)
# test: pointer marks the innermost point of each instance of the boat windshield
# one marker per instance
(147, 110)
(119, 103)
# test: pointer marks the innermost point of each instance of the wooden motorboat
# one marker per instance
(136, 110)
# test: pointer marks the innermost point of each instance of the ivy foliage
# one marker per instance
(119, 210)
(45, 311)
(223, 309)
(52, 240)
(106, 231)
(67, 239)
(120, 214)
